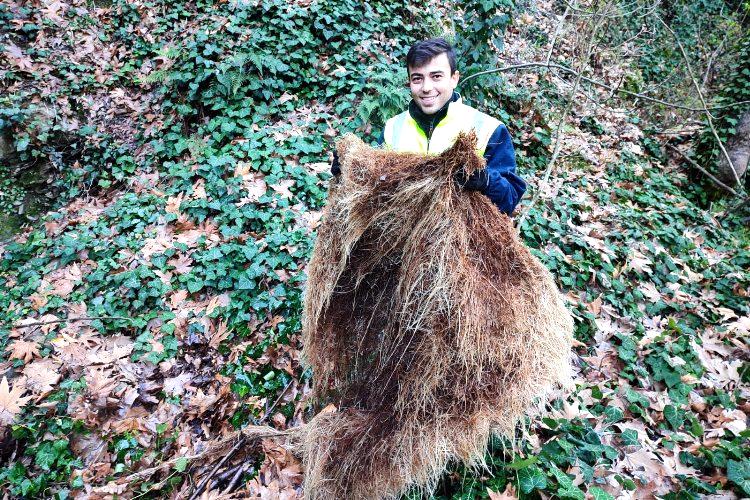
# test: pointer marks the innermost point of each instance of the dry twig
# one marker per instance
(199, 489)
(702, 99)
(241, 470)
(558, 142)
(250, 432)
(241, 442)
(704, 171)
(558, 29)
(716, 51)
(618, 90)
(71, 320)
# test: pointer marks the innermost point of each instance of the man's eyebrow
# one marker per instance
(438, 72)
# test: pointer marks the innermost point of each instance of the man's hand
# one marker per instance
(478, 181)
(335, 165)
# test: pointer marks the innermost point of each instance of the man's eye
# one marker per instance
(416, 80)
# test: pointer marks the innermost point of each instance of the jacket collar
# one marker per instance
(428, 122)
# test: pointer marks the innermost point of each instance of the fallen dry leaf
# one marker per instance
(41, 376)
(23, 349)
(11, 401)
(221, 334)
(283, 188)
(509, 493)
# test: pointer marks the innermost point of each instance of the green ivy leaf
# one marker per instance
(531, 478)
(22, 144)
(673, 416)
(181, 464)
(245, 283)
(613, 413)
(739, 473)
(194, 285)
(45, 456)
(562, 478)
(629, 437)
(600, 494)
(574, 493)
(522, 463)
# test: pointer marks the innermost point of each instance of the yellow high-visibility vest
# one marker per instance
(403, 134)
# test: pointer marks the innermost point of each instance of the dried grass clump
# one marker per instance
(427, 323)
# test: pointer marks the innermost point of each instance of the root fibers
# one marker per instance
(427, 323)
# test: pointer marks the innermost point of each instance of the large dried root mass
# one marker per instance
(428, 324)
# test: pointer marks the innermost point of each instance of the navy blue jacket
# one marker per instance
(505, 187)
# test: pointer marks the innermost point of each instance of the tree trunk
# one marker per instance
(738, 148)
(6, 146)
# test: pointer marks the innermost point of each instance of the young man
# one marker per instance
(436, 115)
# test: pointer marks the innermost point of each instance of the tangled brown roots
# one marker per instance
(427, 323)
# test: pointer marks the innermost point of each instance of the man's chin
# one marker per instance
(428, 109)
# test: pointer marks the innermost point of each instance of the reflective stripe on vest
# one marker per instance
(404, 135)
(398, 127)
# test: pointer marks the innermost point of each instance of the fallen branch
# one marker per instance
(152, 470)
(705, 172)
(236, 478)
(278, 399)
(716, 51)
(249, 432)
(199, 489)
(229, 473)
(587, 13)
(558, 29)
(71, 320)
(705, 109)
(241, 442)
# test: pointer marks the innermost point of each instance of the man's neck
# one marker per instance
(428, 122)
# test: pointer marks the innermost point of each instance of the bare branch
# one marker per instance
(558, 143)
(249, 432)
(587, 13)
(703, 101)
(716, 51)
(618, 90)
(199, 489)
(558, 29)
(71, 320)
(704, 171)
(236, 478)
(241, 442)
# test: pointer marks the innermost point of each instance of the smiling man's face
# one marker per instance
(432, 84)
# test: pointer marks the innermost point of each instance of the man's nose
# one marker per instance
(426, 86)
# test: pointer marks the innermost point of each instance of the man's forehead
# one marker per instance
(438, 63)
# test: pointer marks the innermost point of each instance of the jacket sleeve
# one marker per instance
(505, 187)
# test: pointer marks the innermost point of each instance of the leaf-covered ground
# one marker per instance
(156, 310)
